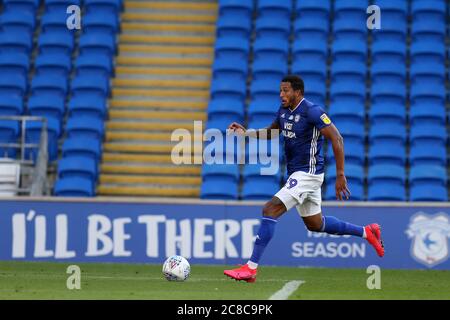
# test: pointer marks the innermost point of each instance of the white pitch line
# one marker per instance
(287, 290)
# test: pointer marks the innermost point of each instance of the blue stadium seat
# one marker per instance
(428, 10)
(432, 93)
(82, 146)
(269, 68)
(91, 85)
(386, 183)
(91, 127)
(347, 112)
(350, 8)
(232, 48)
(263, 107)
(262, 151)
(17, 63)
(428, 183)
(222, 112)
(33, 135)
(387, 133)
(433, 114)
(56, 22)
(387, 72)
(224, 172)
(240, 9)
(13, 42)
(274, 9)
(230, 70)
(355, 180)
(388, 51)
(354, 153)
(92, 64)
(428, 30)
(393, 113)
(58, 64)
(231, 26)
(431, 73)
(254, 189)
(21, 22)
(228, 89)
(219, 190)
(310, 71)
(256, 173)
(49, 84)
(100, 23)
(354, 92)
(268, 87)
(310, 52)
(21, 5)
(273, 49)
(348, 71)
(430, 51)
(352, 133)
(47, 105)
(389, 92)
(426, 134)
(396, 10)
(97, 43)
(315, 31)
(11, 105)
(272, 28)
(14, 84)
(314, 10)
(56, 43)
(60, 5)
(350, 50)
(78, 166)
(103, 6)
(87, 105)
(428, 193)
(420, 154)
(386, 153)
(74, 187)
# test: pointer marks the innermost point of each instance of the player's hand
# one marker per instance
(342, 190)
(237, 128)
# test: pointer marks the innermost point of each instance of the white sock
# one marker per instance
(364, 233)
(252, 265)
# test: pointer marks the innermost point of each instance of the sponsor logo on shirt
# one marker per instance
(325, 119)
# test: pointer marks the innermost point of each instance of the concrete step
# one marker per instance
(173, 39)
(164, 17)
(151, 169)
(158, 105)
(165, 49)
(163, 137)
(124, 114)
(168, 28)
(160, 93)
(148, 191)
(136, 158)
(172, 5)
(149, 126)
(164, 180)
(151, 83)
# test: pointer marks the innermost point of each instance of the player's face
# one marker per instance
(287, 95)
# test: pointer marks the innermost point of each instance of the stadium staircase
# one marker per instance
(161, 84)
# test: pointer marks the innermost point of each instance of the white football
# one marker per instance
(176, 268)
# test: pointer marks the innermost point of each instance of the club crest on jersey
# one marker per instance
(291, 117)
(325, 119)
(297, 118)
(429, 233)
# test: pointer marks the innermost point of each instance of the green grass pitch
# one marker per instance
(46, 280)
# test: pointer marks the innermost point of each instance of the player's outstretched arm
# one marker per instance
(332, 134)
(265, 133)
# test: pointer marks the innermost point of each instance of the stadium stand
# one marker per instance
(386, 90)
(114, 90)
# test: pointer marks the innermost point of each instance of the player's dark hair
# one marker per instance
(296, 82)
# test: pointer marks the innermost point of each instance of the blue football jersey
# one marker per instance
(302, 138)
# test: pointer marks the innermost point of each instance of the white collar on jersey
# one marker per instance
(297, 105)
